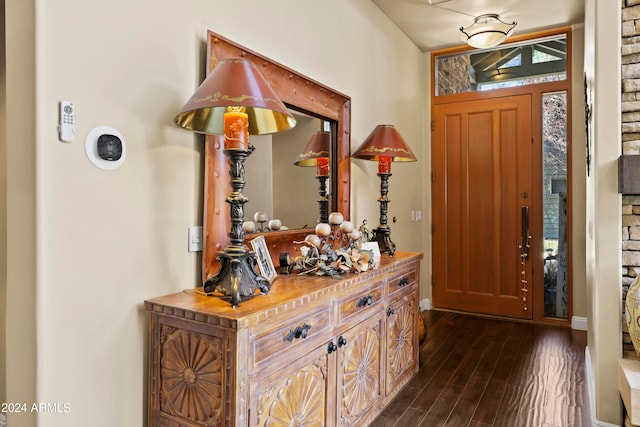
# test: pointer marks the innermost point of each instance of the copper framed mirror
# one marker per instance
(301, 94)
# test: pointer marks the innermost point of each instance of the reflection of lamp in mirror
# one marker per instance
(235, 101)
(384, 145)
(316, 153)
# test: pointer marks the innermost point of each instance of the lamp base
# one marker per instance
(237, 277)
(382, 235)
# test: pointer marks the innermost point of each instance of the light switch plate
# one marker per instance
(195, 239)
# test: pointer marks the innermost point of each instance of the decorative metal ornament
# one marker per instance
(587, 123)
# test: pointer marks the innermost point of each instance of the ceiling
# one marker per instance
(435, 24)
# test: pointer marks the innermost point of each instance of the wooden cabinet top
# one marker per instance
(288, 293)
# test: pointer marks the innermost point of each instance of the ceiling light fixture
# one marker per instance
(487, 30)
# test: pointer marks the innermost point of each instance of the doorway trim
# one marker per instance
(536, 91)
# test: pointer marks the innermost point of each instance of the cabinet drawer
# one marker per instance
(402, 281)
(362, 302)
(291, 337)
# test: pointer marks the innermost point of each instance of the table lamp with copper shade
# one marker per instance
(384, 145)
(236, 101)
(316, 153)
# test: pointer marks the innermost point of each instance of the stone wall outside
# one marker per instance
(630, 109)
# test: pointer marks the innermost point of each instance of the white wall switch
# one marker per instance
(195, 239)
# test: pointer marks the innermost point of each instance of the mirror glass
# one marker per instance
(289, 183)
(275, 185)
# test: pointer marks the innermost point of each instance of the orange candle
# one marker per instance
(384, 164)
(322, 166)
(236, 131)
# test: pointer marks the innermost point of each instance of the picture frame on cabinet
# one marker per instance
(265, 265)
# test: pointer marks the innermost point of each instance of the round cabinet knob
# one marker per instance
(341, 341)
(331, 347)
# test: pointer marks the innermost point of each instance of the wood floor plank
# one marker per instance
(441, 409)
(455, 352)
(469, 399)
(398, 406)
(481, 372)
(491, 399)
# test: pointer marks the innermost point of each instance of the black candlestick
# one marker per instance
(323, 202)
(382, 234)
(237, 276)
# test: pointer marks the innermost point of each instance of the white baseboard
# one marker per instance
(591, 393)
(579, 323)
(3, 420)
(425, 304)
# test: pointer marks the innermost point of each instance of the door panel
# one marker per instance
(482, 178)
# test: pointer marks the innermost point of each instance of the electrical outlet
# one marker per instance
(195, 239)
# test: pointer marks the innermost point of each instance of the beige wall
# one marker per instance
(3, 206)
(21, 222)
(87, 246)
(603, 207)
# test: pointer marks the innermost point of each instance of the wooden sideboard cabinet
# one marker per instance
(315, 351)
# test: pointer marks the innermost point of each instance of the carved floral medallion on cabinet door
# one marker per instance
(296, 400)
(401, 349)
(360, 360)
(191, 375)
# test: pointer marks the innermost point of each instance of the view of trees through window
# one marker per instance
(554, 189)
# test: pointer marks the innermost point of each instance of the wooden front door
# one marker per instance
(481, 193)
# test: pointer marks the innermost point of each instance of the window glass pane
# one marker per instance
(554, 189)
(517, 64)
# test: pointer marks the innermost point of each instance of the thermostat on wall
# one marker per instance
(105, 147)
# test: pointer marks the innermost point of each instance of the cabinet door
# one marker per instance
(298, 394)
(190, 370)
(359, 376)
(402, 340)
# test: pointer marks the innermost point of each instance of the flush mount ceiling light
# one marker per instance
(487, 31)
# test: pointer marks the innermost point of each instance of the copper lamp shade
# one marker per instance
(384, 145)
(235, 83)
(385, 141)
(316, 148)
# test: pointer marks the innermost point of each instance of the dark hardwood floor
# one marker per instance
(481, 372)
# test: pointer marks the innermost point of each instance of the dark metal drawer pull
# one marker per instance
(365, 301)
(341, 341)
(298, 332)
(404, 281)
(390, 312)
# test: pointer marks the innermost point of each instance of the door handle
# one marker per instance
(524, 243)
(524, 254)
